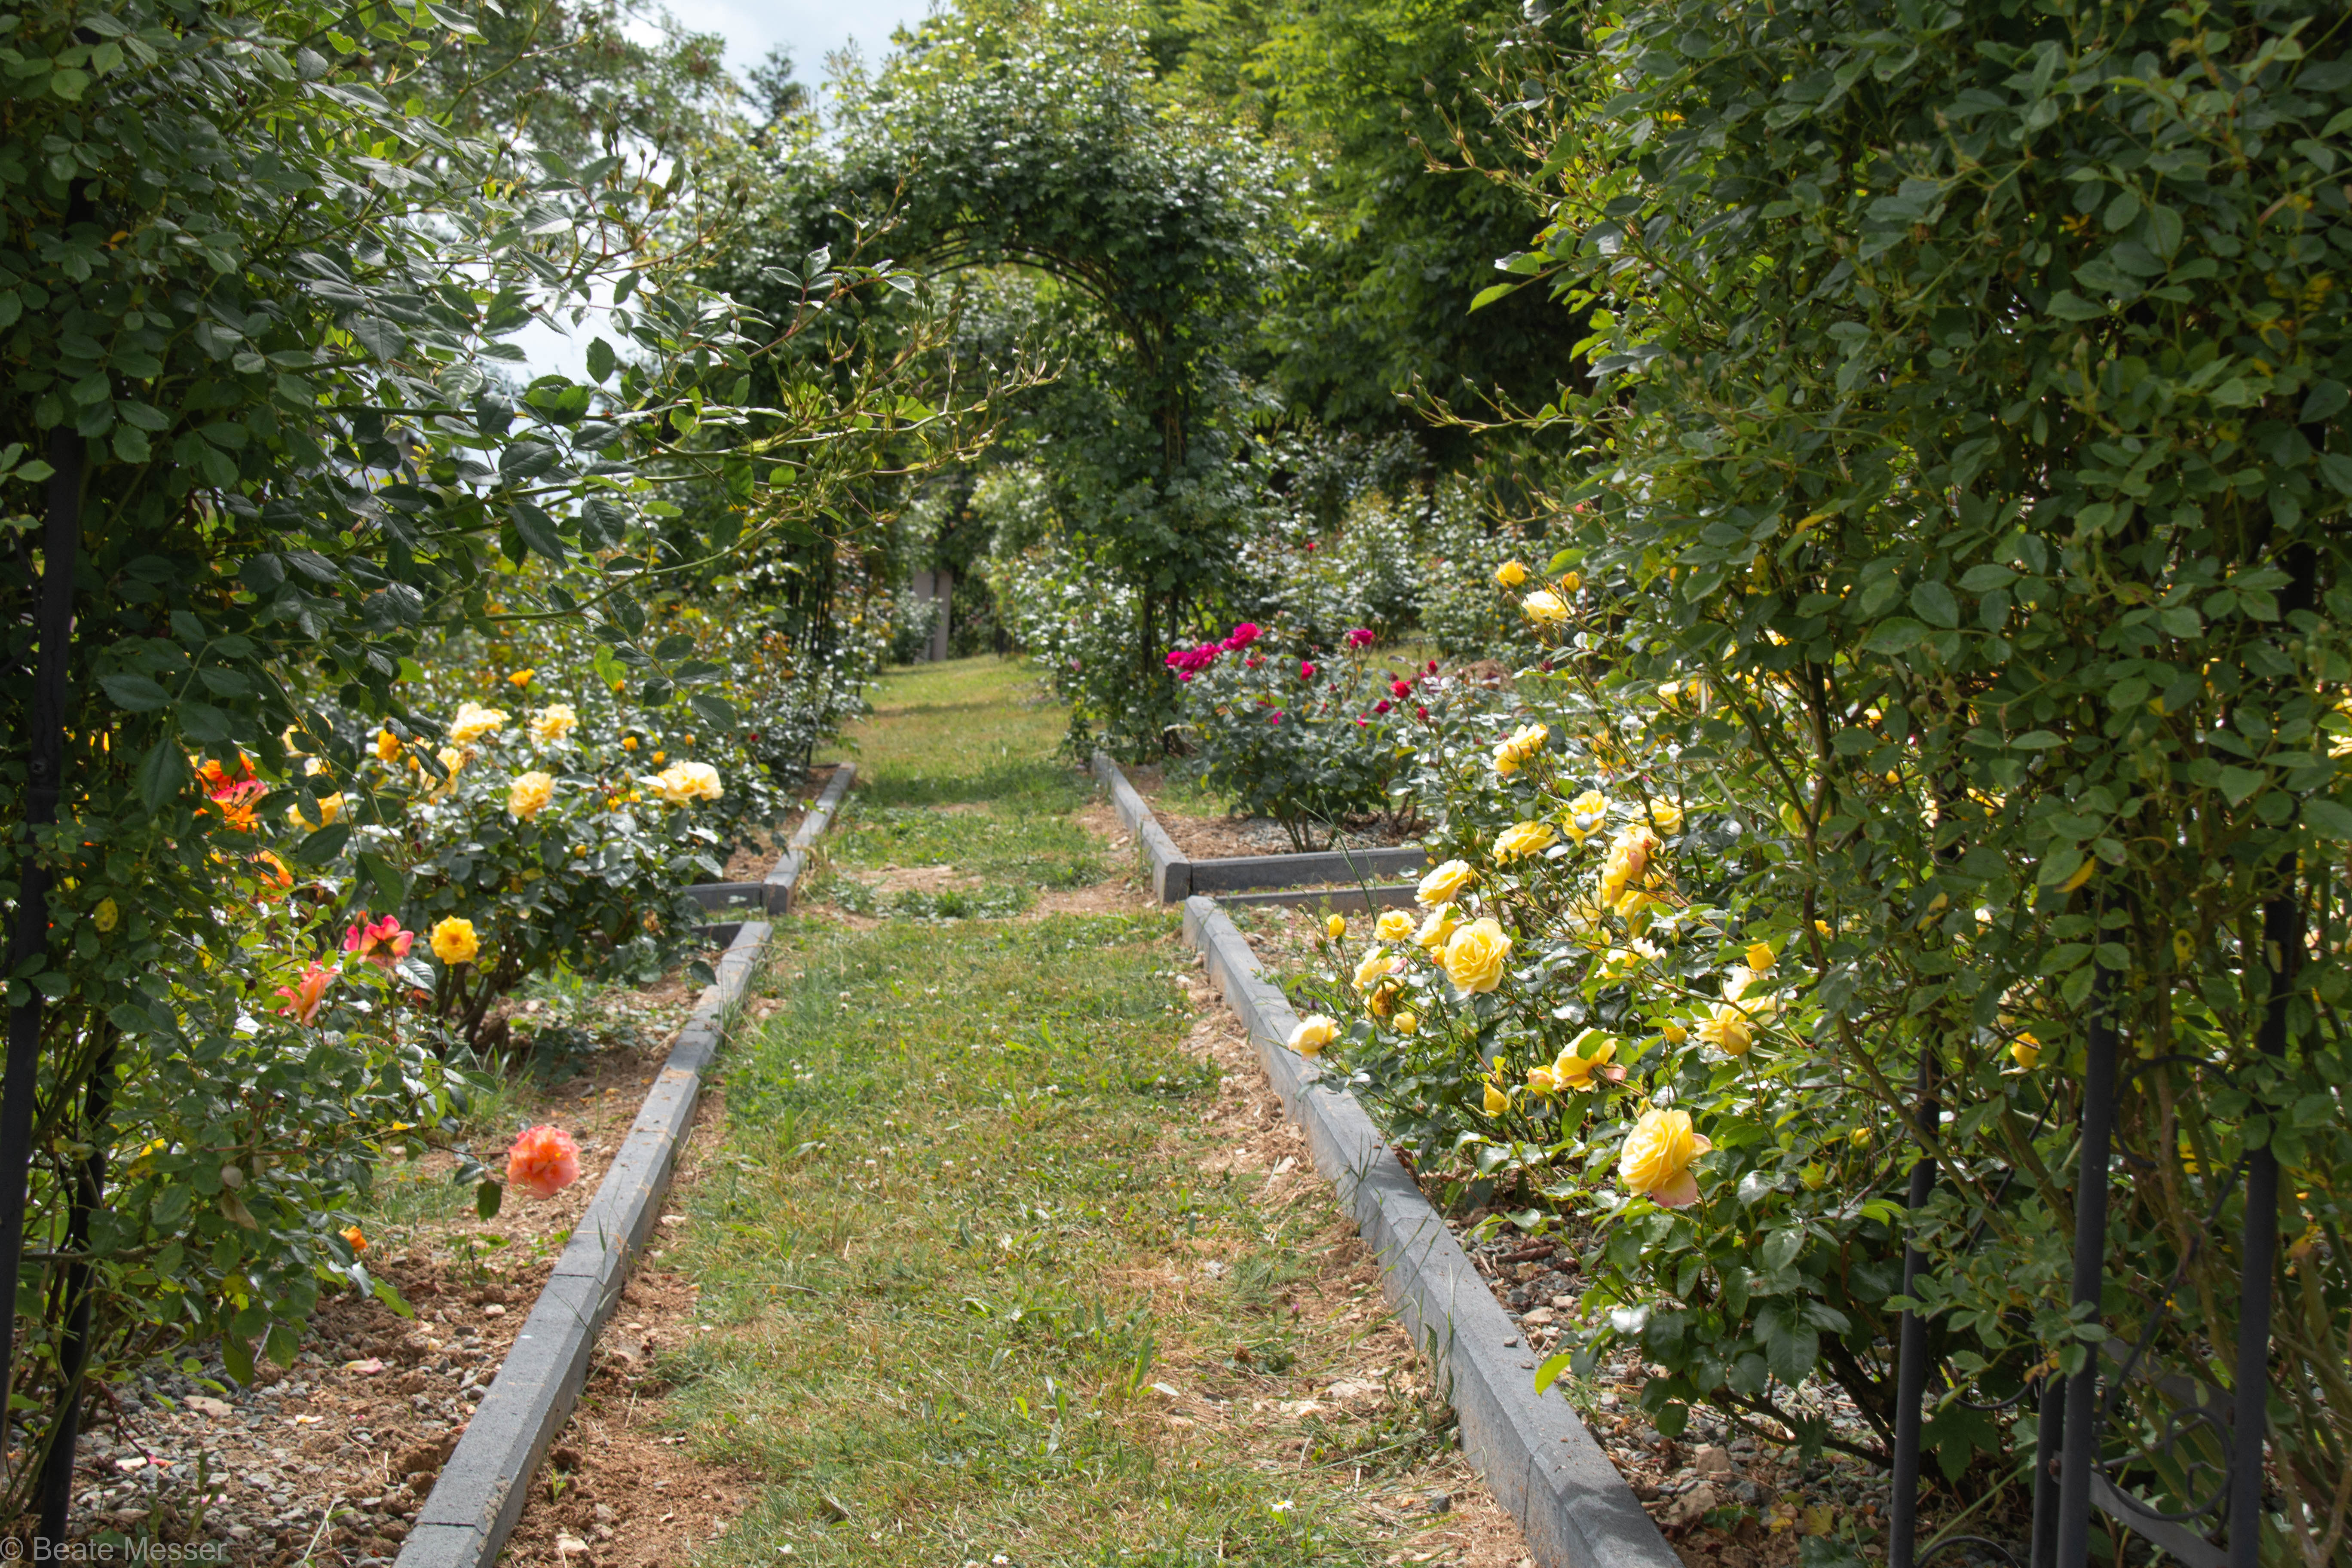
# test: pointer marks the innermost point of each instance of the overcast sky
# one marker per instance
(811, 29)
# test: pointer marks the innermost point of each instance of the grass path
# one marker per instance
(1005, 1255)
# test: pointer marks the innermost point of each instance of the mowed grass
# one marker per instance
(957, 768)
(958, 1154)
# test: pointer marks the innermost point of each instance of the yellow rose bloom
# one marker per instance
(1576, 1070)
(387, 745)
(1473, 956)
(1728, 1030)
(1666, 816)
(552, 722)
(1443, 882)
(1437, 927)
(1336, 927)
(1585, 815)
(474, 721)
(528, 796)
(1524, 839)
(1629, 861)
(2027, 1051)
(1519, 746)
(1498, 1098)
(520, 679)
(1657, 1159)
(1376, 967)
(1761, 956)
(452, 762)
(1510, 574)
(331, 809)
(1314, 1032)
(628, 742)
(681, 783)
(1544, 608)
(1407, 1023)
(454, 940)
(1569, 582)
(1675, 1033)
(1394, 925)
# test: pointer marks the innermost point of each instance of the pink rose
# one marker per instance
(544, 1162)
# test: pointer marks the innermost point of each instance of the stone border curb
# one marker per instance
(772, 895)
(1534, 1450)
(479, 1495)
(1175, 878)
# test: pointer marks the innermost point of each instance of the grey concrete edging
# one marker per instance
(482, 1491)
(773, 894)
(1533, 1451)
(1175, 878)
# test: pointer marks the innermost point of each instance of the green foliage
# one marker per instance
(259, 310)
(1963, 471)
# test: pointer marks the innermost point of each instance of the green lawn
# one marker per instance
(960, 1260)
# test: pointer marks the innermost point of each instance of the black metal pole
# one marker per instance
(44, 771)
(2282, 954)
(2082, 1410)
(73, 1358)
(2048, 1444)
(1911, 1366)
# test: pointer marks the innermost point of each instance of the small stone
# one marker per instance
(1440, 1502)
(494, 1310)
(205, 1405)
(1712, 1460)
(605, 1515)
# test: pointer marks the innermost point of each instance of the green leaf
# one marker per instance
(323, 846)
(1791, 1349)
(163, 771)
(236, 1358)
(1899, 635)
(2327, 819)
(714, 710)
(486, 1198)
(390, 886)
(1549, 1373)
(1935, 605)
(1492, 292)
(135, 693)
(2069, 306)
(601, 359)
(537, 530)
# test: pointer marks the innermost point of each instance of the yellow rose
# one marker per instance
(1499, 1099)
(1394, 925)
(1666, 816)
(1336, 927)
(1517, 746)
(2027, 1050)
(1510, 574)
(1728, 1030)
(452, 761)
(474, 721)
(331, 809)
(454, 940)
(628, 742)
(1473, 956)
(1524, 839)
(1376, 967)
(1544, 608)
(1437, 927)
(1407, 1023)
(1569, 582)
(387, 745)
(1443, 882)
(1815, 1175)
(1629, 861)
(1314, 1032)
(552, 722)
(520, 679)
(1675, 1033)
(1657, 1159)
(1585, 815)
(1761, 956)
(528, 796)
(683, 782)
(1575, 1071)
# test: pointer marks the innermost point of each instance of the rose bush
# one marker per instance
(1285, 730)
